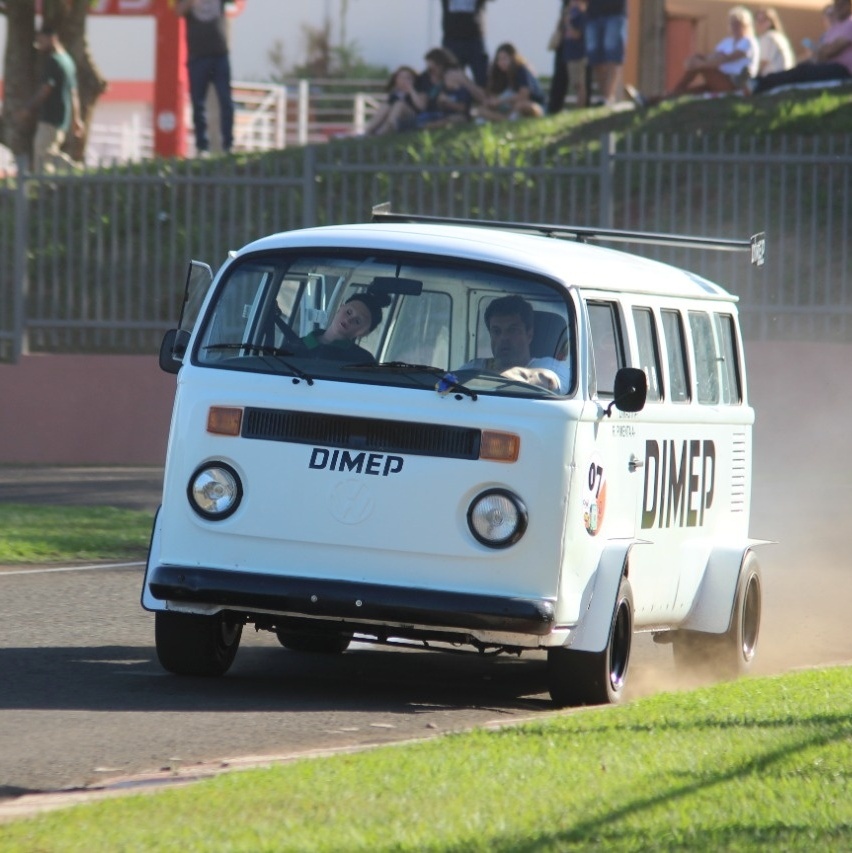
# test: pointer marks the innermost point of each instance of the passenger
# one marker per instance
(510, 323)
(358, 316)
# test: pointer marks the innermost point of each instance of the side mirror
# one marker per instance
(631, 389)
(173, 349)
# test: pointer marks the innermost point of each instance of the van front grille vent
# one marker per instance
(377, 436)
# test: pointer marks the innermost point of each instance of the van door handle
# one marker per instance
(634, 463)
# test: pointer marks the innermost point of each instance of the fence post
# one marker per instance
(359, 121)
(607, 168)
(20, 343)
(309, 186)
(281, 118)
(304, 111)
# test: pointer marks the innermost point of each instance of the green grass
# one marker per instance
(48, 534)
(760, 764)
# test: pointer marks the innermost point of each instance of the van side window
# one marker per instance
(649, 350)
(706, 359)
(607, 344)
(676, 351)
(732, 391)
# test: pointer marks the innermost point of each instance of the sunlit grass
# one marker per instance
(760, 764)
(41, 534)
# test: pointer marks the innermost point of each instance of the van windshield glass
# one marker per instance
(391, 319)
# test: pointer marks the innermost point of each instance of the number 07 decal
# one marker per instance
(594, 496)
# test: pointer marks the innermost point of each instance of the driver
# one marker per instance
(358, 316)
(509, 321)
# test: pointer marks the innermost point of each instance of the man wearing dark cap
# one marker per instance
(208, 64)
(55, 103)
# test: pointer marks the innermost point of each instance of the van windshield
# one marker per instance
(386, 318)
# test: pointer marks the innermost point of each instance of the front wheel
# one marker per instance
(729, 655)
(595, 678)
(190, 644)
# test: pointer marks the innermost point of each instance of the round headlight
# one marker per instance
(497, 518)
(215, 491)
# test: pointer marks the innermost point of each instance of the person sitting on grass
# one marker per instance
(832, 59)
(513, 91)
(726, 70)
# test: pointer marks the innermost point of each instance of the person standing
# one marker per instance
(606, 42)
(56, 103)
(569, 67)
(208, 63)
(463, 25)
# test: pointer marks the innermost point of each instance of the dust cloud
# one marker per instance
(802, 503)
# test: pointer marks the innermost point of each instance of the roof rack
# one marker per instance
(756, 244)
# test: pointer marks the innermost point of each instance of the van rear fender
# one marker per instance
(599, 598)
(714, 603)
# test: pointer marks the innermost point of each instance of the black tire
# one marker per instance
(730, 655)
(189, 644)
(595, 678)
(315, 642)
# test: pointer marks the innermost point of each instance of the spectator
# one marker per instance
(430, 88)
(776, 53)
(832, 59)
(56, 104)
(208, 63)
(828, 20)
(606, 40)
(513, 91)
(463, 25)
(455, 99)
(734, 60)
(400, 108)
(570, 68)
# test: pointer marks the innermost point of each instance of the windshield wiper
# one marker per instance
(275, 352)
(446, 381)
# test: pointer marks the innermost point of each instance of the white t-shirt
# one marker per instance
(748, 45)
(775, 52)
(561, 368)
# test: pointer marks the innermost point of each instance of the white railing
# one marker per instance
(268, 116)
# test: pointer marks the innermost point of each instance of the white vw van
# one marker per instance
(361, 449)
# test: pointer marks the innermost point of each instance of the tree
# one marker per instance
(21, 67)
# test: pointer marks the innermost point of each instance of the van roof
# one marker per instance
(575, 264)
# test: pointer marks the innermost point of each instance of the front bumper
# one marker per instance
(350, 601)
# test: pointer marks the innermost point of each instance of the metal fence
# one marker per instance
(94, 262)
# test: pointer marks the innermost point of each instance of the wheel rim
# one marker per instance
(750, 618)
(622, 633)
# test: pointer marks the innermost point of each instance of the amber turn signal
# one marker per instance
(499, 446)
(223, 420)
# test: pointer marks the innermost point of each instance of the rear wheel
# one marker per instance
(315, 642)
(190, 644)
(728, 655)
(595, 678)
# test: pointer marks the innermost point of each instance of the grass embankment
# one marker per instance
(760, 764)
(49, 534)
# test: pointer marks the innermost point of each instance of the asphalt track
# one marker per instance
(124, 487)
(808, 587)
